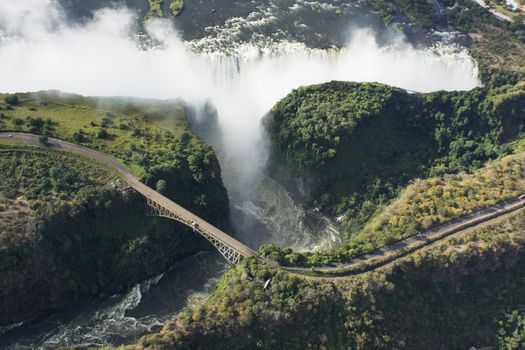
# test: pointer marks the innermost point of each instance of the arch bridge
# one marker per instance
(159, 205)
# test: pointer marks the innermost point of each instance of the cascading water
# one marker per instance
(121, 318)
(240, 67)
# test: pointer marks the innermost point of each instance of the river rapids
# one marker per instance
(231, 63)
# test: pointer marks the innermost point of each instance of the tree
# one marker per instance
(106, 122)
(511, 332)
(12, 100)
(272, 251)
(161, 186)
(79, 136)
(43, 140)
(35, 125)
(102, 133)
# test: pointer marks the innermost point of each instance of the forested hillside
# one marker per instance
(451, 296)
(351, 147)
(68, 227)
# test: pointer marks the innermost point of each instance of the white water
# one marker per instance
(39, 50)
(122, 317)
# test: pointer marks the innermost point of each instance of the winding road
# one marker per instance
(233, 250)
(387, 254)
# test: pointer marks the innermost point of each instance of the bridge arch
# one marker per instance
(228, 251)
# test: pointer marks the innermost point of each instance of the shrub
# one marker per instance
(43, 139)
(12, 100)
(79, 136)
(102, 134)
(176, 7)
(161, 186)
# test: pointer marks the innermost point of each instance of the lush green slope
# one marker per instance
(152, 138)
(447, 297)
(68, 230)
(350, 147)
(422, 205)
(428, 203)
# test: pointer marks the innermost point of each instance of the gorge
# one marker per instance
(227, 69)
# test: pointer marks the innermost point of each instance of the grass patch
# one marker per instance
(8, 141)
(155, 10)
(128, 129)
(176, 7)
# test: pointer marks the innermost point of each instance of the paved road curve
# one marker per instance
(382, 254)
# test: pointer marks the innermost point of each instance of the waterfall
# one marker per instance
(229, 80)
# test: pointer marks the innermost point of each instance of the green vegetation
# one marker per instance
(511, 333)
(422, 205)
(418, 11)
(498, 46)
(67, 231)
(41, 176)
(176, 7)
(354, 147)
(452, 294)
(67, 228)
(12, 100)
(386, 9)
(152, 138)
(421, 11)
(155, 9)
(35, 181)
(428, 203)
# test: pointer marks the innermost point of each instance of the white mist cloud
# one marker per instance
(29, 17)
(38, 51)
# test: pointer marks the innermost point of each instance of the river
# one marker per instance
(253, 53)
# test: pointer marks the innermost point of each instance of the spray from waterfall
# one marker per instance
(40, 50)
(104, 57)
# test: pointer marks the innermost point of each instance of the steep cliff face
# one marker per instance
(69, 230)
